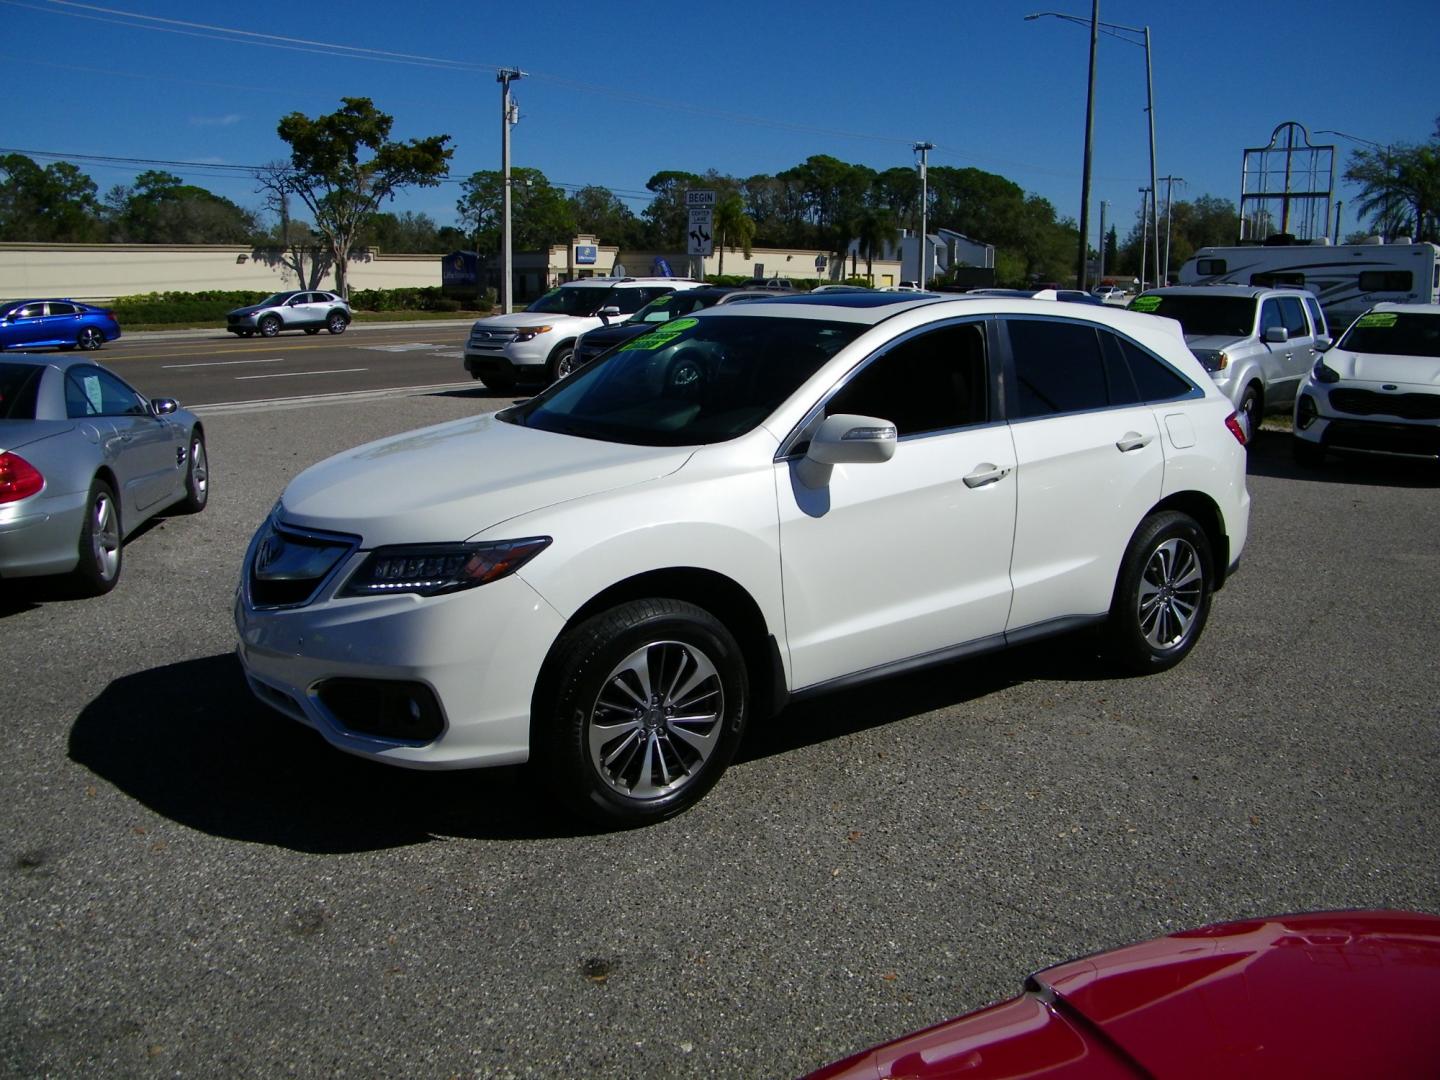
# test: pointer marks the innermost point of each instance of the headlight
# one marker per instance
(432, 569)
(529, 333)
(1323, 373)
(1214, 359)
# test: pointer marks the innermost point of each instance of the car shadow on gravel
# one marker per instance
(1271, 455)
(190, 742)
(1070, 658)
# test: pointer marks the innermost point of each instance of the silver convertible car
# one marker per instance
(85, 459)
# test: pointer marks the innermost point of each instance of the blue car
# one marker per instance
(63, 324)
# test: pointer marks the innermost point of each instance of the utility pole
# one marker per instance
(1164, 276)
(1100, 270)
(1084, 261)
(509, 115)
(1144, 232)
(923, 149)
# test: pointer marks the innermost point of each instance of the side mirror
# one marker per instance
(1276, 335)
(608, 312)
(846, 439)
(1324, 343)
(163, 406)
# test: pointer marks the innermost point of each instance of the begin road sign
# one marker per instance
(695, 199)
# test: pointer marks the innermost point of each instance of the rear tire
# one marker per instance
(90, 339)
(1162, 597)
(641, 712)
(337, 323)
(101, 550)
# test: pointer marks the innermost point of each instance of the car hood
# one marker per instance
(617, 332)
(253, 309)
(1421, 371)
(452, 481)
(533, 318)
(1213, 342)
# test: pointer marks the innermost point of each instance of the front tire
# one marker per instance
(1162, 597)
(643, 710)
(1252, 407)
(101, 551)
(562, 362)
(270, 326)
(197, 476)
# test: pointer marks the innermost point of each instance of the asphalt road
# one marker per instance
(194, 886)
(203, 368)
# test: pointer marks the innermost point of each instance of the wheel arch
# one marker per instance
(1206, 512)
(718, 594)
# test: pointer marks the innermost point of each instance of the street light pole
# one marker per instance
(1082, 264)
(923, 149)
(505, 76)
(1164, 275)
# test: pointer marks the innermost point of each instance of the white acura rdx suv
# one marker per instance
(761, 502)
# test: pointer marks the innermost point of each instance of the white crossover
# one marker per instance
(760, 502)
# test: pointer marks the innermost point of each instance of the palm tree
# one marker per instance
(1400, 187)
(733, 227)
(877, 231)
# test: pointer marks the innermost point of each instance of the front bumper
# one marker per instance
(520, 360)
(1377, 433)
(478, 651)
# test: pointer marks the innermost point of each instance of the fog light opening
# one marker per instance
(397, 711)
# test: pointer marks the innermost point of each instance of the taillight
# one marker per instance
(1236, 428)
(18, 478)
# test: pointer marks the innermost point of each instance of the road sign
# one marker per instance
(702, 233)
(695, 199)
(819, 262)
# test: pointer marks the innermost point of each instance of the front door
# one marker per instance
(910, 557)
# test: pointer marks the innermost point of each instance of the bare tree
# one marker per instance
(297, 251)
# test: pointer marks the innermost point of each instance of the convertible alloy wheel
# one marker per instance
(197, 477)
(90, 338)
(100, 551)
(649, 703)
(1162, 597)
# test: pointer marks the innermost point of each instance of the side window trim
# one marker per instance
(791, 445)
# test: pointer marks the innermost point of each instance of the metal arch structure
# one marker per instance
(1281, 182)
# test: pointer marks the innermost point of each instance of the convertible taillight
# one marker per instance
(18, 478)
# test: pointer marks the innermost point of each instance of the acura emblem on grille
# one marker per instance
(270, 550)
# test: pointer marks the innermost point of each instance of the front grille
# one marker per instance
(286, 567)
(491, 339)
(1370, 403)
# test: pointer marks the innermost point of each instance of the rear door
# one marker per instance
(1090, 466)
(1297, 356)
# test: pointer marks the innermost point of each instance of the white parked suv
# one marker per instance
(1378, 390)
(1258, 344)
(739, 508)
(535, 345)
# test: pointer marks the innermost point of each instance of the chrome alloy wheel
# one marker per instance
(657, 720)
(1171, 589)
(199, 470)
(105, 536)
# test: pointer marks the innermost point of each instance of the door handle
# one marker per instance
(985, 473)
(1132, 440)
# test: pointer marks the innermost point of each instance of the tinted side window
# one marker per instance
(932, 382)
(1294, 316)
(1155, 380)
(630, 301)
(1207, 267)
(1317, 316)
(57, 308)
(1059, 368)
(1270, 316)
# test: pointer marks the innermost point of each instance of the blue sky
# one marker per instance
(615, 94)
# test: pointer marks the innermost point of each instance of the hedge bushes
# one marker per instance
(212, 306)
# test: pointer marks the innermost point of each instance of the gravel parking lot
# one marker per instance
(192, 885)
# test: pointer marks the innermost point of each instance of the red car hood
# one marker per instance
(1318, 995)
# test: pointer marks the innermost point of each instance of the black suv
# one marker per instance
(660, 310)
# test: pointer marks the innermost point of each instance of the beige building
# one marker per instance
(101, 272)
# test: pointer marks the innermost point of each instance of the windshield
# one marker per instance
(584, 300)
(688, 382)
(667, 307)
(277, 300)
(1202, 316)
(1394, 334)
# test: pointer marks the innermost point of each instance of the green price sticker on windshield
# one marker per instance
(1378, 318)
(661, 335)
(1146, 304)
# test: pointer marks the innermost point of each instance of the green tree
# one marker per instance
(598, 212)
(667, 217)
(56, 204)
(411, 233)
(540, 215)
(733, 227)
(340, 189)
(1400, 188)
(160, 208)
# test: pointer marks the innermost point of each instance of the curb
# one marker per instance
(221, 335)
